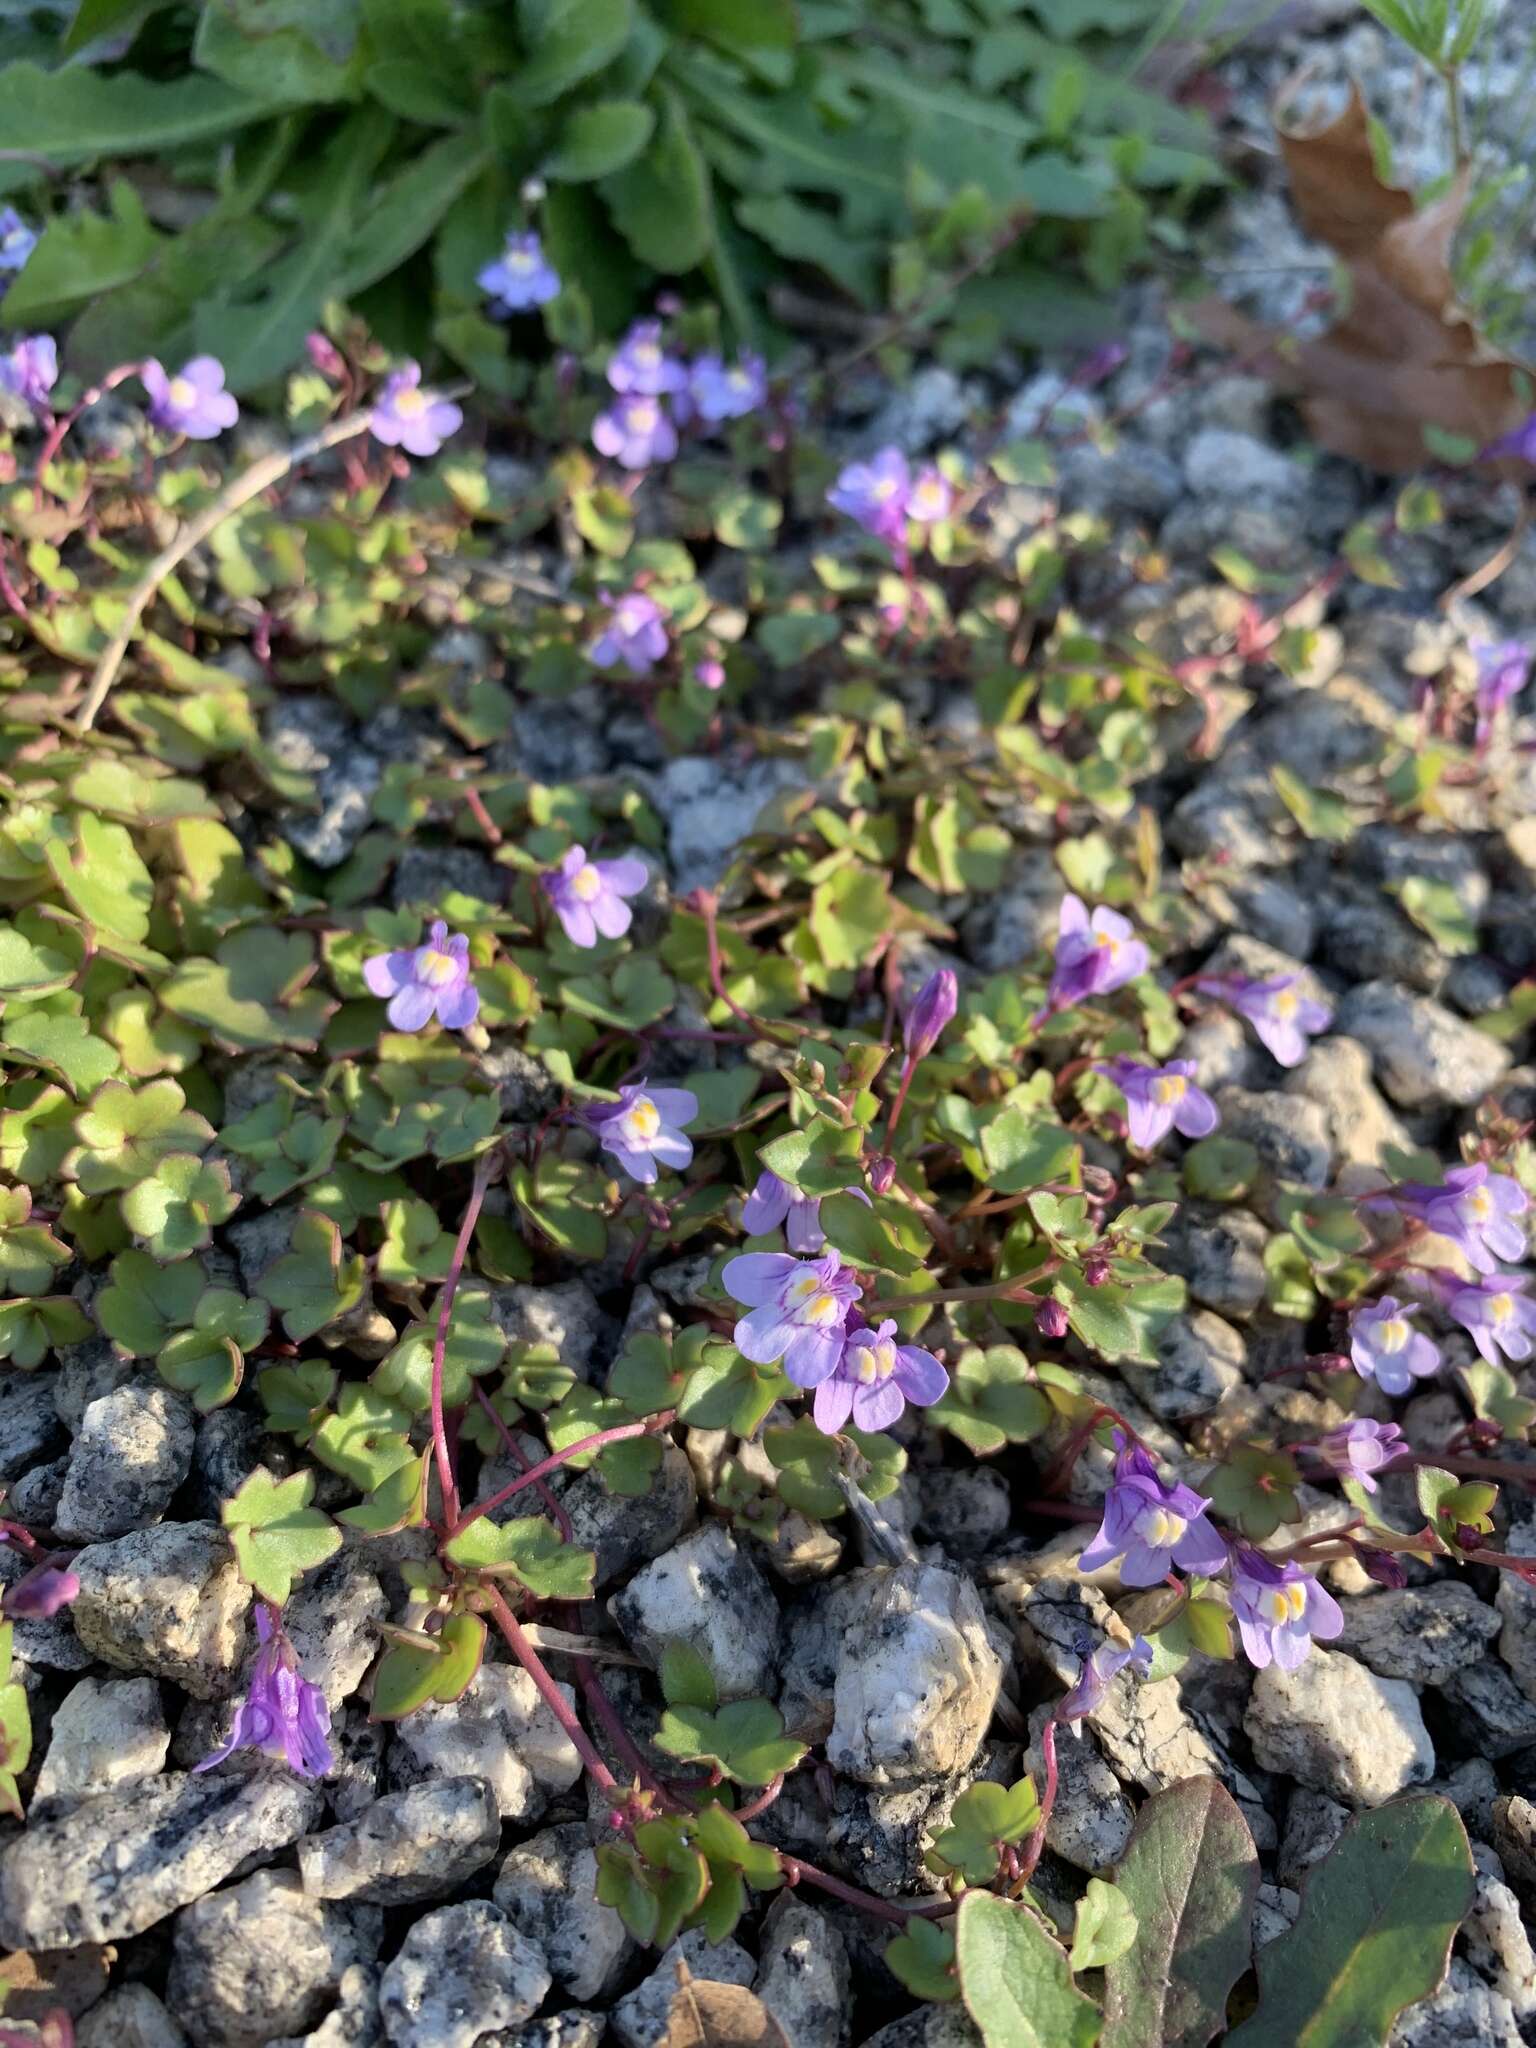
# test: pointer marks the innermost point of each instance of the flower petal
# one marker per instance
(757, 1277)
(833, 1405)
(919, 1375)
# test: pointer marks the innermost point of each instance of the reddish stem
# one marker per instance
(909, 1068)
(556, 1459)
(762, 1802)
(1034, 1842)
(554, 1699)
(520, 1457)
(446, 1477)
(797, 1870)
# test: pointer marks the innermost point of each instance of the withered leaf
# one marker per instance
(1405, 353)
(707, 2015)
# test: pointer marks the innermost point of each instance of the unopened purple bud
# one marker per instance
(882, 1174)
(1381, 1565)
(710, 673)
(1095, 1269)
(41, 1594)
(1051, 1319)
(1105, 360)
(1468, 1538)
(1327, 1361)
(936, 1004)
(325, 355)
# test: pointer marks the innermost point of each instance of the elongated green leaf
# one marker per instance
(1190, 1875)
(601, 139)
(1014, 1979)
(568, 41)
(82, 255)
(1374, 1934)
(75, 115)
(408, 209)
(661, 202)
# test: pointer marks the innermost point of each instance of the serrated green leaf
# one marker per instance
(174, 1210)
(923, 1958)
(276, 1534)
(366, 1439)
(528, 1549)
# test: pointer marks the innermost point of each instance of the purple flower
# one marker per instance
(635, 432)
(875, 494)
(588, 895)
(1387, 1348)
(1473, 1208)
(1093, 954)
(931, 499)
(1283, 1018)
(709, 673)
(937, 1001)
(641, 365)
(31, 369)
(49, 1586)
(1279, 1610)
(644, 1126)
(875, 1379)
(1150, 1526)
(774, 1201)
(282, 1713)
(405, 416)
(1520, 443)
(717, 393)
(193, 402)
(426, 981)
(636, 634)
(1361, 1448)
(1502, 668)
(1160, 1099)
(1495, 1312)
(798, 1311)
(1100, 1668)
(521, 277)
(17, 241)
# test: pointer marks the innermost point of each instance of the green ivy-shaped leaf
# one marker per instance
(1121, 1321)
(923, 1958)
(1495, 1398)
(1256, 1489)
(276, 1534)
(984, 1819)
(627, 1467)
(727, 1391)
(992, 1399)
(36, 1131)
(808, 1461)
(288, 1148)
(1220, 1169)
(208, 1360)
(29, 1330)
(1105, 1928)
(54, 1035)
(411, 1673)
(15, 1729)
(561, 1199)
(416, 1248)
(744, 1739)
(30, 1254)
(254, 994)
(173, 1212)
(397, 1502)
(1288, 1284)
(296, 1398)
(475, 1347)
(528, 1549)
(125, 1132)
(313, 1284)
(366, 1439)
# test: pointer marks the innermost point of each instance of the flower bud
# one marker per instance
(1095, 1269)
(532, 190)
(1381, 1565)
(882, 1174)
(1468, 1538)
(1327, 1361)
(41, 1594)
(325, 355)
(1051, 1319)
(710, 673)
(936, 1004)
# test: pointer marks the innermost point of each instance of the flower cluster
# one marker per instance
(1150, 1526)
(656, 392)
(884, 497)
(803, 1314)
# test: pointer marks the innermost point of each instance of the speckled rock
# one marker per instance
(407, 1846)
(353, 2021)
(708, 1592)
(564, 1316)
(29, 1421)
(1493, 1717)
(917, 1679)
(1336, 1075)
(107, 1734)
(1092, 1819)
(132, 1451)
(1340, 1729)
(261, 1959)
(965, 1509)
(639, 2020)
(622, 1532)
(130, 2016)
(117, 1864)
(547, 1887)
(802, 1974)
(329, 1618)
(1421, 1633)
(461, 1974)
(168, 1601)
(1200, 1361)
(1220, 1254)
(1425, 1056)
(1463, 2011)
(498, 1730)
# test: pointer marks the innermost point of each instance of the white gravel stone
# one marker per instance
(107, 1732)
(547, 1887)
(707, 1592)
(462, 1974)
(1335, 1726)
(917, 1679)
(802, 1974)
(498, 1729)
(640, 2019)
(130, 2016)
(168, 1601)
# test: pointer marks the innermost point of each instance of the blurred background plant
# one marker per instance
(206, 177)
